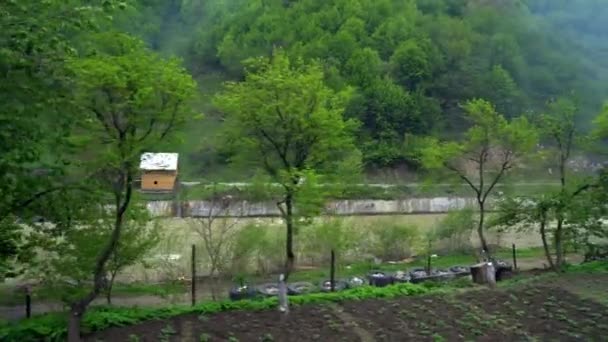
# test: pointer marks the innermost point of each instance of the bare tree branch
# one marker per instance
(462, 176)
(281, 209)
(100, 117)
(506, 165)
(171, 121)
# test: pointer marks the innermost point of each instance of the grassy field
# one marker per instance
(180, 235)
(353, 262)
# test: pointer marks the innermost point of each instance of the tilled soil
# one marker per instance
(306, 323)
(531, 312)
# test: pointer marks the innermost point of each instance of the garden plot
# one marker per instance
(532, 311)
(306, 323)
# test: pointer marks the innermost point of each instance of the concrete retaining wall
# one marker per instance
(342, 207)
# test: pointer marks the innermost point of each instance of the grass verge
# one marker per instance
(10, 296)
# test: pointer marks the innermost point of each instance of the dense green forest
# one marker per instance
(411, 64)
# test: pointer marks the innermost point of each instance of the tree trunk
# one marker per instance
(559, 251)
(543, 235)
(110, 286)
(289, 241)
(559, 248)
(332, 271)
(215, 286)
(76, 312)
(428, 258)
(482, 238)
(79, 308)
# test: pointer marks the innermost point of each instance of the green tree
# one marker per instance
(410, 64)
(68, 247)
(500, 89)
(35, 103)
(563, 207)
(130, 101)
(590, 213)
(601, 124)
(387, 112)
(488, 150)
(559, 125)
(530, 212)
(363, 67)
(283, 119)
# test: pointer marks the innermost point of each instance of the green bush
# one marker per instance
(316, 242)
(50, 327)
(454, 231)
(260, 247)
(393, 241)
(593, 267)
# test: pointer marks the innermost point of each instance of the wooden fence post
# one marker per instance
(428, 259)
(28, 303)
(193, 275)
(332, 271)
(514, 258)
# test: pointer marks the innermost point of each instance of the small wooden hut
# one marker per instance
(159, 171)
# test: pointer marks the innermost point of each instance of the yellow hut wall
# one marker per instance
(158, 181)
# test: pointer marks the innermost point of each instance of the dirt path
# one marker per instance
(350, 321)
(593, 287)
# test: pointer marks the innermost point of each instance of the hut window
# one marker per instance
(155, 182)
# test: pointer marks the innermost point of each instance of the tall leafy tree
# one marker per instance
(559, 127)
(488, 150)
(131, 100)
(283, 119)
(570, 213)
(36, 107)
(500, 89)
(410, 64)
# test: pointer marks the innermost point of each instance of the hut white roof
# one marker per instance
(159, 161)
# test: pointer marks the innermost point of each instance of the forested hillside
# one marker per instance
(410, 63)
